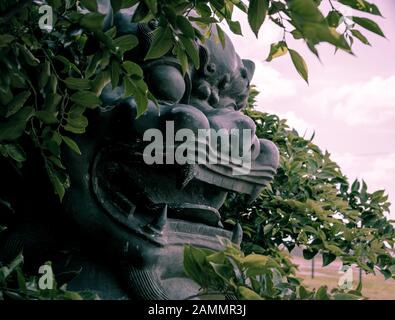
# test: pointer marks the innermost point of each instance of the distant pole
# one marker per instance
(312, 268)
(360, 275)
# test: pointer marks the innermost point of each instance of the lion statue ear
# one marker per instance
(250, 67)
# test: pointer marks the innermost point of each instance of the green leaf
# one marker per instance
(318, 32)
(141, 12)
(77, 83)
(132, 68)
(369, 25)
(5, 40)
(86, 98)
(194, 261)
(299, 64)
(255, 265)
(69, 4)
(73, 129)
(68, 64)
(192, 50)
(133, 89)
(257, 11)
(46, 117)
(92, 21)
(161, 44)
(362, 5)
(51, 102)
(277, 50)
(57, 184)
(152, 5)
(357, 34)
(52, 84)
(21, 280)
(355, 186)
(305, 11)
(333, 18)
(91, 5)
(334, 249)
(45, 74)
(309, 254)
(204, 20)
(115, 73)
(111, 33)
(28, 56)
(72, 144)
(17, 103)
(15, 152)
(185, 26)
(15, 126)
(247, 294)
(183, 59)
(267, 228)
(347, 296)
(224, 271)
(304, 293)
(126, 42)
(77, 120)
(6, 271)
(5, 96)
(322, 293)
(327, 258)
(235, 27)
(116, 5)
(221, 35)
(57, 162)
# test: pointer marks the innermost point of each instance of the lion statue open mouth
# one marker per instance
(134, 218)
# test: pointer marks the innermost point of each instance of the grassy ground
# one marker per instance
(375, 287)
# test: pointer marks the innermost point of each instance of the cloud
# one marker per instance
(383, 168)
(376, 170)
(364, 103)
(271, 84)
(370, 167)
(346, 161)
(296, 122)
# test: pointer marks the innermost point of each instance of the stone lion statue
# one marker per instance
(122, 226)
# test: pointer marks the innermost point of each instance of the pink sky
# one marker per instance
(350, 102)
